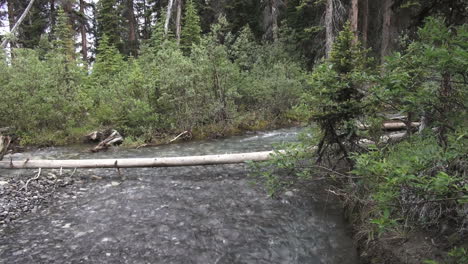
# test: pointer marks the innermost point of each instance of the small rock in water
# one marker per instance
(3, 182)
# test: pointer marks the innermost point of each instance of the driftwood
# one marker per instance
(4, 144)
(137, 163)
(113, 139)
(392, 126)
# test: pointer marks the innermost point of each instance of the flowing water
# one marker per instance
(209, 214)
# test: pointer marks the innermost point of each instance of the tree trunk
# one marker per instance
(132, 31)
(365, 22)
(84, 42)
(52, 17)
(11, 14)
(274, 19)
(386, 28)
(178, 20)
(354, 18)
(329, 27)
(138, 163)
(18, 23)
(168, 16)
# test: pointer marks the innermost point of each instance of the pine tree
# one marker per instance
(109, 22)
(157, 34)
(191, 29)
(108, 59)
(337, 94)
(64, 43)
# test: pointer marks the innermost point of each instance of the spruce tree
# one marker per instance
(337, 93)
(109, 23)
(64, 43)
(108, 59)
(191, 29)
(157, 34)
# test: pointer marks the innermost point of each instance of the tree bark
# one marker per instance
(355, 18)
(11, 14)
(386, 28)
(365, 22)
(274, 19)
(178, 20)
(328, 27)
(52, 17)
(168, 16)
(84, 41)
(132, 35)
(18, 23)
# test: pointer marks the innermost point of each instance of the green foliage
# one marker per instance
(336, 94)
(414, 175)
(429, 77)
(43, 96)
(64, 42)
(191, 29)
(109, 22)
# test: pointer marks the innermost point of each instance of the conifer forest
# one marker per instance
(378, 87)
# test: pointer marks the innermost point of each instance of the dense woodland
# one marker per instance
(152, 68)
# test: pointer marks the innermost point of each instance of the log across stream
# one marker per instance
(180, 215)
(138, 162)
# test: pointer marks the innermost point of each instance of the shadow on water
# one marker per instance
(209, 214)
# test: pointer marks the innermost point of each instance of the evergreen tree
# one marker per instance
(109, 23)
(108, 60)
(157, 34)
(64, 43)
(336, 95)
(191, 29)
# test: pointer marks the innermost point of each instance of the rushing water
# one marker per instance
(210, 214)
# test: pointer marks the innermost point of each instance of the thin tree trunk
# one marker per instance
(386, 28)
(168, 16)
(18, 23)
(84, 42)
(365, 22)
(178, 20)
(132, 35)
(147, 24)
(355, 18)
(329, 27)
(52, 17)
(274, 19)
(11, 14)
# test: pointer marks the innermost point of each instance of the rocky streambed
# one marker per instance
(201, 214)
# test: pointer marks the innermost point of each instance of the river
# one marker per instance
(209, 214)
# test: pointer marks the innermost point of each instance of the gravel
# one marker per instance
(27, 193)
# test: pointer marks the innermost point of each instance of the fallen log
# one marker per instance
(161, 162)
(392, 126)
(138, 163)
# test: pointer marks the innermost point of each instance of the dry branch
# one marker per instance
(18, 23)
